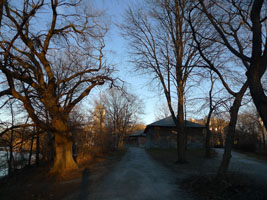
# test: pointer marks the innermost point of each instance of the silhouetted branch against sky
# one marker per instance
(53, 47)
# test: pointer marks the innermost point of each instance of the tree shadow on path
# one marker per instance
(84, 185)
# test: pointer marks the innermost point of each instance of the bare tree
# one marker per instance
(54, 65)
(122, 113)
(161, 45)
(11, 142)
(162, 111)
(213, 105)
(241, 28)
(250, 124)
(15, 135)
(213, 60)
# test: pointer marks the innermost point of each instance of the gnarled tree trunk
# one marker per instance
(63, 159)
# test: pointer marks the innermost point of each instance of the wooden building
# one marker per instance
(163, 134)
(137, 138)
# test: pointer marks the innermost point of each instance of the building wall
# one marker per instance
(139, 141)
(165, 137)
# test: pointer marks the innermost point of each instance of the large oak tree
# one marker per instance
(51, 58)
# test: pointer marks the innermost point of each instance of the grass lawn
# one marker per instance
(195, 159)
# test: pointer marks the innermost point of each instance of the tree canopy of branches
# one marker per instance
(229, 25)
(51, 58)
(241, 28)
(123, 111)
(161, 45)
(1, 10)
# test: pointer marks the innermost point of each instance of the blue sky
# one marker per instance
(138, 84)
(116, 48)
(116, 51)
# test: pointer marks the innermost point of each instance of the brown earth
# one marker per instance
(36, 184)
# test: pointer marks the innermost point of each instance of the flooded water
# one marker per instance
(3, 163)
(23, 157)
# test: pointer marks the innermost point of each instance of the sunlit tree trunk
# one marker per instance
(63, 160)
(37, 158)
(49, 80)
(30, 154)
(120, 144)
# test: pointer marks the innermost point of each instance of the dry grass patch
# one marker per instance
(195, 158)
(37, 183)
(197, 177)
(262, 155)
(234, 186)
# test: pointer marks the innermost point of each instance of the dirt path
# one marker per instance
(253, 167)
(136, 176)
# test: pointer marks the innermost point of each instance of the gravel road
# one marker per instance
(136, 176)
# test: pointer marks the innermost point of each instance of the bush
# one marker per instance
(263, 151)
(247, 146)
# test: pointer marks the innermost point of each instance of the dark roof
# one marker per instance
(137, 133)
(168, 122)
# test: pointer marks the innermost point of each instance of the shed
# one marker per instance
(137, 138)
(163, 134)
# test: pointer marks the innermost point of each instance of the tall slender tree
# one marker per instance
(161, 45)
(207, 53)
